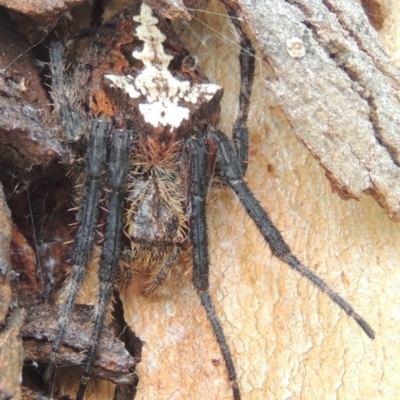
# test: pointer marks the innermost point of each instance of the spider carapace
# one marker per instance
(147, 115)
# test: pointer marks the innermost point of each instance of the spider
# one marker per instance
(152, 124)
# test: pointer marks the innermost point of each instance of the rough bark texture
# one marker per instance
(27, 141)
(39, 8)
(10, 343)
(41, 325)
(36, 18)
(339, 91)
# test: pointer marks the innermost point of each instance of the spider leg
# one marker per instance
(70, 120)
(162, 274)
(230, 169)
(247, 60)
(95, 160)
(198, 233)
(118, 170)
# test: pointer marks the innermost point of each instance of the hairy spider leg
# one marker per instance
(118, 171)
(240, 134)
(230, 168)
(200, 184)
(95, 161)
(71, 121)
(198, 236)
(96, 153)
(164, 271)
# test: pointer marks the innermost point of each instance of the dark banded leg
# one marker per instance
(247, 60)
(198, 233)
(118, 170)
(167, 264)
(230, 169)
(95, 161)
(70, 120)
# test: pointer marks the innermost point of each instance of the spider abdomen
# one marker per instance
(155, 214)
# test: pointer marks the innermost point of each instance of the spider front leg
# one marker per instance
(247, 61)
(118, 170)
(230, 169)
(71, 121)
(95, 161)
(198, 235)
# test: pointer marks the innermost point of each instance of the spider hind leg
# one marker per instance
(240, 132)
(198, 233)
(230, 168)
(156, 262)
(203, 158)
